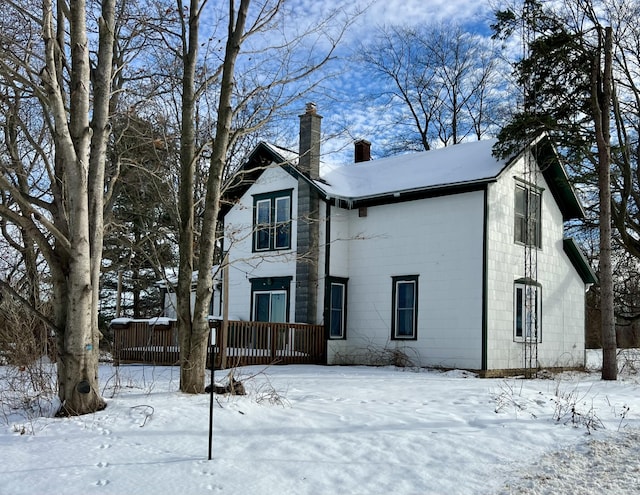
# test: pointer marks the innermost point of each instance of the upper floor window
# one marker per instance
(272, 221)
(404, 324)
(528, 216)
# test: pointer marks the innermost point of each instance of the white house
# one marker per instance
(168, 294)
(449, 257)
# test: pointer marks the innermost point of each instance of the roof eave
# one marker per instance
(351, 202)
(557, 179)
(579, 261)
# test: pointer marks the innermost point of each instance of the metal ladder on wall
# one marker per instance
(531, 327)
(531, 314)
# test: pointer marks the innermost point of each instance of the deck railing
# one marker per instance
(247, 342)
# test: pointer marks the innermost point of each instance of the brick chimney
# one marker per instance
(362, 150)
(309, 161)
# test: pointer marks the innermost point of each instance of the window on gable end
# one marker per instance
(527, 312)
(528, 216)
(272, 221)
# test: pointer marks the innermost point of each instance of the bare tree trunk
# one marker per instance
(601, 103)
(100, 134)
(73, 285)
(186, 191)
(192, 372)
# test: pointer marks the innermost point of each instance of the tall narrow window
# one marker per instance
(282, 222)
(527, 312)
(263, 225)
(528, 216)
(337, 309)
(404, 324)
(272, 221)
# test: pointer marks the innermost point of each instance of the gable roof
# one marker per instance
(557, 179)
(443, 168)
(464, 166)
(262, 156)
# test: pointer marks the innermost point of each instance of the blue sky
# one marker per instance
(348, 113)
(344, 96)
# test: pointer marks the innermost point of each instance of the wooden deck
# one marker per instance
(247, 343)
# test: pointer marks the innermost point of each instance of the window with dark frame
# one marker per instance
(337, 309)
(270, 298)
(272, 221)
(528, 216)
(404, 324)
(527, 312)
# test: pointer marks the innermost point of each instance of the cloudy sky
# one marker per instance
(344, 98)
(348, 112)
(473, 12)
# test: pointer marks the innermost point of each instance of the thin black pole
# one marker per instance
(212, 346)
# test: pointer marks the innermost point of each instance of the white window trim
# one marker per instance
(537, 317)
(255, 293)
(413, 280)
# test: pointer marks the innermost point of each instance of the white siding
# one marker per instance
(439, 239)
(245, 264)
(562, 316)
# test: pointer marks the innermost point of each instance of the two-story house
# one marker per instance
(448, 257)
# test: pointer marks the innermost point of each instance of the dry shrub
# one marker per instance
(27, 376)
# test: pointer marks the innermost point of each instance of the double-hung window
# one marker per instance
(337, 308)
(272, 221)
(404, 323)
(527, 312)
(528, 216)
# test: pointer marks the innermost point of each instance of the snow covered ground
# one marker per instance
(326, 430)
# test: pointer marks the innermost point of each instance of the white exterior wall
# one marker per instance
(439, 239)
(563, 300)
(245, 264)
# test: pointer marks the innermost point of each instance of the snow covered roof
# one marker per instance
(465, 163)
(286, 154)
(401, 177)
(172, 280)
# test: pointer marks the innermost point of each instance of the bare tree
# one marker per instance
(571, 77)
(66, 223)
(274, 74)
(601, 100)
(443, 83)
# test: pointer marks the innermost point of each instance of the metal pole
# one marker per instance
(212, 345)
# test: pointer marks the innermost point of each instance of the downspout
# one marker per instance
(485, 282)
(327, 275)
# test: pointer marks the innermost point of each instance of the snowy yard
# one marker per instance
(326, 430)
